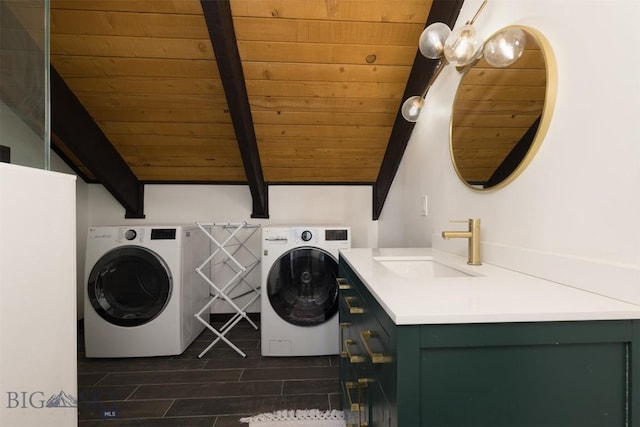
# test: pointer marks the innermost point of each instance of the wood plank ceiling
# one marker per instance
(324, 81)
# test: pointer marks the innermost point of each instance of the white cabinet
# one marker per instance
(38, 342)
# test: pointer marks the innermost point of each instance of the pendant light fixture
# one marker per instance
(504, 48)
(412, 107)
(462, 47)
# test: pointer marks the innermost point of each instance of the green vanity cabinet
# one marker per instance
(366, 366)
(538, 374)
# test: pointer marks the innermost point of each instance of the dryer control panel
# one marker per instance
(131, 235)
(341, 234)
(305, 235)
(319, 235)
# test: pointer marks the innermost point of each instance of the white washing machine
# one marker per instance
(142, 291)
(299, 305)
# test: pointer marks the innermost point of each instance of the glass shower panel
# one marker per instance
(24, 82)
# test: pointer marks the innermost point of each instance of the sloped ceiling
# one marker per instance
(242, 91)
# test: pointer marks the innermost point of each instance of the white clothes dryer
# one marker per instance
(299, 292)
(142, 291)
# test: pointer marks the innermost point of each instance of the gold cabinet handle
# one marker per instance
(354, 404)
(343, 285)
(353, 358)
(343, 326)
(365, 336)
(357, 405)
(352, 308)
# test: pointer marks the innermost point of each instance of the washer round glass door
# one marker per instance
(129, 286)
(302, 288)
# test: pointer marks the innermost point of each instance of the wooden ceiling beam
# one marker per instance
(446, 11)
(72, 124)
(219, 20)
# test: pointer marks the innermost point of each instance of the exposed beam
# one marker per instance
(219, 20)
(446, 11)
(73, 125)
(65, 158)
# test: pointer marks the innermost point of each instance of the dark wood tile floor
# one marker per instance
(214, 391)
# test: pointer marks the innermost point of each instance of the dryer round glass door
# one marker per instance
(129, 286)
(302, 288)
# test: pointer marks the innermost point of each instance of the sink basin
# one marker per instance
(420, 268)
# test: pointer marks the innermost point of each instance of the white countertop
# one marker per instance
(492, 294)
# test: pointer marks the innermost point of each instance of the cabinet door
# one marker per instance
(570, 374)
(373, 407)
(366, 358)
(352, 363)
(379, 412)
(377, 339)
(352, 318)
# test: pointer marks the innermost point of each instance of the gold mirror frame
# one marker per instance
(493, 131)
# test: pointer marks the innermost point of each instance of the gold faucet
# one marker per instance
(473, 234)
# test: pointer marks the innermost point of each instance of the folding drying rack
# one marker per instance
(226, 251)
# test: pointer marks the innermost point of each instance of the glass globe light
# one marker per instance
(505, 47)
(462, 46)
(411, 108)
(432, 40)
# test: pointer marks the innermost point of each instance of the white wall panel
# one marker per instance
(38, 323)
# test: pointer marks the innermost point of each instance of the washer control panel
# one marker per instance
(336, 234)
(131, 235)
(306, 235)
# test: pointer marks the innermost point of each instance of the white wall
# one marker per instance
(571, 216)
(177, 204)
(37, 290)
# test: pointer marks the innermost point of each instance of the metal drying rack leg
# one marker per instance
(239, 235)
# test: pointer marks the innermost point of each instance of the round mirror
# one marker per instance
(500, 115)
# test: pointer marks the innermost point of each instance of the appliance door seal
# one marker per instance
(130, 286)
(301, 286)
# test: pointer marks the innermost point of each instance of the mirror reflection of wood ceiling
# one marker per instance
(493, 109)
